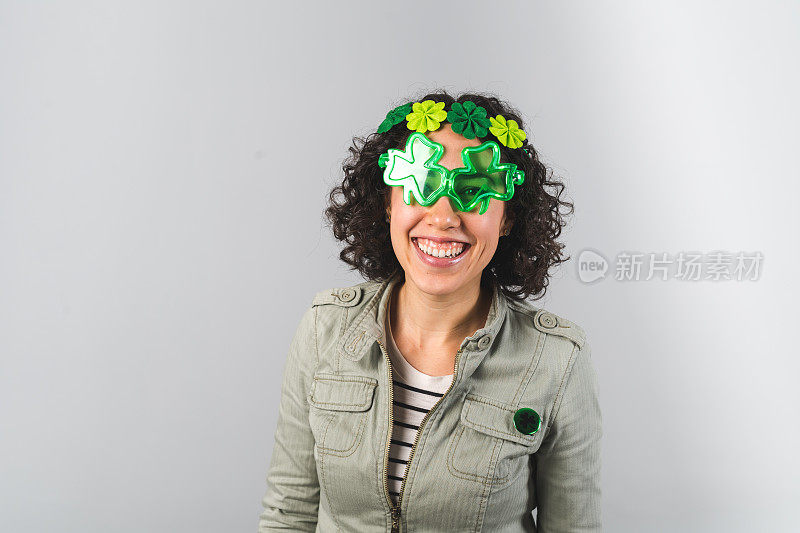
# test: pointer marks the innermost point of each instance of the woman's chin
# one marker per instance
(435, 282)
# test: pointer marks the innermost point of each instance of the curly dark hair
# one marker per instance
(522, 261)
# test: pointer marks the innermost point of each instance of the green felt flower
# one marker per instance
(395, 116)
(426, 116)
(468, 119)
(507, 132)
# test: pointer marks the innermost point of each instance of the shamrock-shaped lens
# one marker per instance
(416, 169)
(480, 177)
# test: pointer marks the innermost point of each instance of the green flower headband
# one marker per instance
(417, 168)
(467, 119)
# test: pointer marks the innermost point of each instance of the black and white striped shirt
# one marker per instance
(414, 394)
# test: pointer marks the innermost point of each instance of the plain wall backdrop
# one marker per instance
(163, 171)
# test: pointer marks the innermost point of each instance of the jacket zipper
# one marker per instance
(396, 508)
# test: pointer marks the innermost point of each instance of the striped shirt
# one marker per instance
(414, 394)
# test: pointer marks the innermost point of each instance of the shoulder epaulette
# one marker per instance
(344, 297)
(548, 322)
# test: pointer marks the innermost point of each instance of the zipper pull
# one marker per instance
(395, 519)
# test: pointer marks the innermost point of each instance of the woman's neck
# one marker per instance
(431, 322)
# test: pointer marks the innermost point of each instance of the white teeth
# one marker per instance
(449, 251)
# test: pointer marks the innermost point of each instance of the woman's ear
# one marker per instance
(508, 221)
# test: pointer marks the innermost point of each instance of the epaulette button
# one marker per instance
(548, 320)
(346, 295)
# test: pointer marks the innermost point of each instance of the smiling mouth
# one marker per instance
(435, 251)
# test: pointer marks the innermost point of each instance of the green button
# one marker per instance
(527, 421)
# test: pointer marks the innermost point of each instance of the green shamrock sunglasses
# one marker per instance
(417, 170)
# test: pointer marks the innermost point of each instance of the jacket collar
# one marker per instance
(368, 326)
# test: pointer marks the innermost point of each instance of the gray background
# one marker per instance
(150, 279)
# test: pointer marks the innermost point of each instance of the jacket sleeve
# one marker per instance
(292, 498)
(568, 461)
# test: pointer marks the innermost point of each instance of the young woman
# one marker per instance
(433, 396)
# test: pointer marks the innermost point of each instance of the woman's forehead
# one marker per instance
(453, 144)
(450, 139)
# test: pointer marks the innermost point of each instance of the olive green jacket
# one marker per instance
(471, 468)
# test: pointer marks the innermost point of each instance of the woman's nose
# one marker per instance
(443, 212)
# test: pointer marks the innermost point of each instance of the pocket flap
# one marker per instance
(492, 418)
(342, 393)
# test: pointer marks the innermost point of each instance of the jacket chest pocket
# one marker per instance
(338, 411)
(486, 447)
